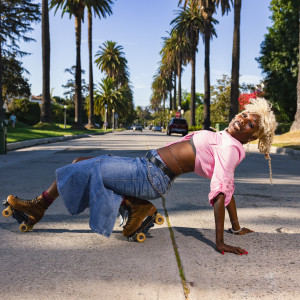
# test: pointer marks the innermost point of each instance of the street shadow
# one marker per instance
(195, 233)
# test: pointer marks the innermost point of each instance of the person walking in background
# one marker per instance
(13, 120)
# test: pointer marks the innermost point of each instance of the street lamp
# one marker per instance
(65, 115)
(105, 121)
(179, 107)
(113, 115)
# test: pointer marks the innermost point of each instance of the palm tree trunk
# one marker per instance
(171, 98)
(46, 112)
(91, 80)
(234, 93)
(179, 82)
(78, 100)
(1, 81)
(193, 88)
(174, 98)
(296, 123)
(206, 112)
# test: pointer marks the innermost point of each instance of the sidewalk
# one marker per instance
(63, 259)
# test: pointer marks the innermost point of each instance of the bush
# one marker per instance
(283, 128)
(25, 111)
(195, 128)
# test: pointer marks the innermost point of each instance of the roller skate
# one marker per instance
(26, 212)
(142, 215)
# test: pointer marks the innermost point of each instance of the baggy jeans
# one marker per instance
(101, 182)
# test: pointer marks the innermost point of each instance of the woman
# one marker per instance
(102, 182)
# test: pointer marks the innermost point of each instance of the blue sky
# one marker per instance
(138, 26)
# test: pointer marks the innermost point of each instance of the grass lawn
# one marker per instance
(23, 132)
(287, 140)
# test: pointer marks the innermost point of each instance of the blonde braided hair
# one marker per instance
(267, 126)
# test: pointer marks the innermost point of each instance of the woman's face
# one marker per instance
(243, 126)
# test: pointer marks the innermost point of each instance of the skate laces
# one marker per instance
(35, 200)
(130, 217)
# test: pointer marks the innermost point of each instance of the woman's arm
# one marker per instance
(219, 211)
(231, 209)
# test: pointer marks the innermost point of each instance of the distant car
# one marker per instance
(177, 125)
(156, 128)
(136, 127)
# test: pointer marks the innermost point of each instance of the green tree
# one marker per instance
(76, 8)
(189, 23)
(143, 115)
(207, 8)
(109, 94)
(14, 83)
(16, 18)
(176, 51)
(279, 57)
(186, 100)
(221, 98)
(111, 60)
(70, 85)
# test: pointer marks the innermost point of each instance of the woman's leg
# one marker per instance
(130, 178)
(36, 208)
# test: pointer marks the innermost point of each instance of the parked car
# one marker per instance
(156, 128)
(137, 127)
(177, 125)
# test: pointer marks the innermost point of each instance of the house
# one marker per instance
(33, 98)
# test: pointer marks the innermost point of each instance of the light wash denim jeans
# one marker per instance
(101, 182)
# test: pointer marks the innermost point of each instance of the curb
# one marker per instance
(29, 143)
(274, 150)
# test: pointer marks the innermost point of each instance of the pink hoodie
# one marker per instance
(217, 156)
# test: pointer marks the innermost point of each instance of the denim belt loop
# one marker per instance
(161, 165)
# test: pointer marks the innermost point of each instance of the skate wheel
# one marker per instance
(159, 219)
(140, 237)
(7, 212)
(25, 227)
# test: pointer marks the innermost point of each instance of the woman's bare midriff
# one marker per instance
(179, 157)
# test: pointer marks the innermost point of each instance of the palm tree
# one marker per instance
(111, 60)
(46, 112)
(235, 70)
(296, 123)
(106, 9)
(76, 8)
(108, 94)
(161, 84)
(189, 23)
(207, 9)
(175, 52)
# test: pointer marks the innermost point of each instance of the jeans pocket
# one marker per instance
(159, 181)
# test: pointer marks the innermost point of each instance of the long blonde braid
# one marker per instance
(267, 126)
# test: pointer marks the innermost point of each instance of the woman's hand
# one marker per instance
(222, 248)
(243, 231)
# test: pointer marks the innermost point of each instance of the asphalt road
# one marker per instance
(62, 259)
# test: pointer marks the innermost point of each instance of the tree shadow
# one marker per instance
(195, 233)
